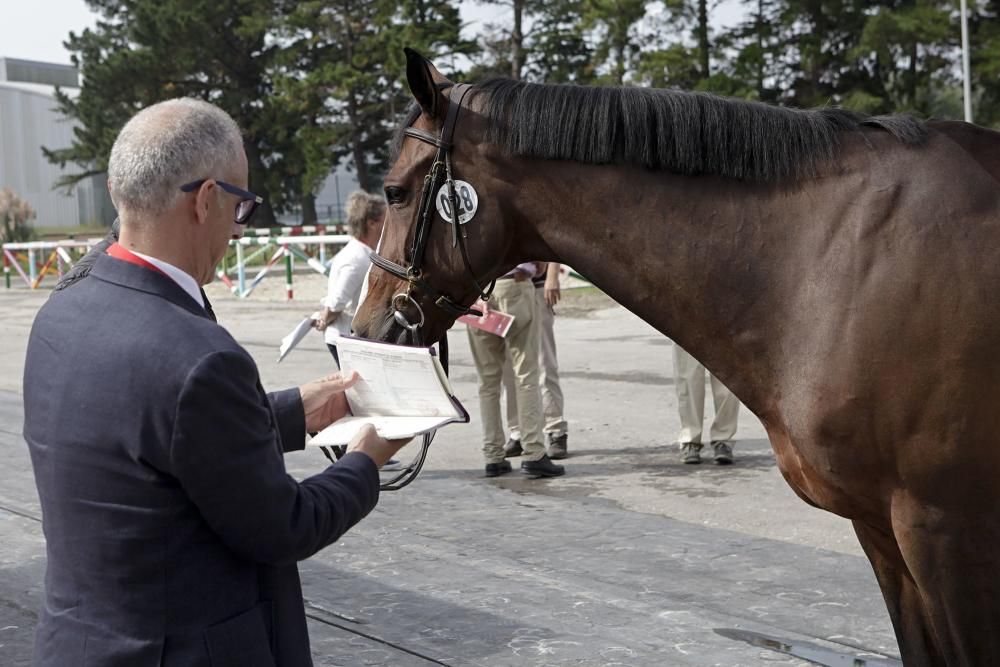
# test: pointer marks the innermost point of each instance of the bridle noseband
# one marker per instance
(425, 218)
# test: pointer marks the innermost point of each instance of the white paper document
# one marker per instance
(403, 392)
(289, 342)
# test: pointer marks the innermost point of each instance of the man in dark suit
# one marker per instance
(172, 528)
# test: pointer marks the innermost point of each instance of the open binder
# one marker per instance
(403, 392)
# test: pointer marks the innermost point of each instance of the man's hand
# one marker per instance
(324, 399)
(552, 290)
(369, 442)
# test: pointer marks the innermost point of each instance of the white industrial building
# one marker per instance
(30, 120)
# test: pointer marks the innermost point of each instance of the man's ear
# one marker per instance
(425, 83)
(203, 201)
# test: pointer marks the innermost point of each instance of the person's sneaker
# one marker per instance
(557, 447)
(392, 464)
(691, 452)
(543, 467)
(512, 448)
(723, 452)
(497, 469)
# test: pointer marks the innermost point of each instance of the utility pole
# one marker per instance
(966, 75)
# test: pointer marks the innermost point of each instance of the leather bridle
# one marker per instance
(425, 218)
(413, 275)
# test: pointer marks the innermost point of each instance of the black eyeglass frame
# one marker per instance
(245, 196)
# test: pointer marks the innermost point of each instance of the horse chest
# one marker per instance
(832, 474)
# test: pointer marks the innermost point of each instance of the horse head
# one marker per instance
(429, 270)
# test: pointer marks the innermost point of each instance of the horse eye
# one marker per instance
(395, 195)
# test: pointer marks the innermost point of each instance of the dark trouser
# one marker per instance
(333, 351)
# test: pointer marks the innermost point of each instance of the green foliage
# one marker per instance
(552, 47)
(146, 51)
(985, 57)
(342, 71)
(916, 38)
(616, 43)
(315, 83)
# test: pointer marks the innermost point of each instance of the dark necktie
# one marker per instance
(208, 306)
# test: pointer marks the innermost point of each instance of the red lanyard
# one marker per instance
(118, 252)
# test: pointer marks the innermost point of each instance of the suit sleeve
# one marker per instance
(287, 406)
(225, 455)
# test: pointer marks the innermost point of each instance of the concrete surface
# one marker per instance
(630, 559)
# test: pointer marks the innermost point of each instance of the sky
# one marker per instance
(36, 29)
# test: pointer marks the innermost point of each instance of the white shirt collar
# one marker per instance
(186, 282)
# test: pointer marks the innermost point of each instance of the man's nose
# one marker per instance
(237, 231)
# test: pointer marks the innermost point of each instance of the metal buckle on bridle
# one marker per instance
(400, 316)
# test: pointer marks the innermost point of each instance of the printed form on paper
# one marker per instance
(403, 392)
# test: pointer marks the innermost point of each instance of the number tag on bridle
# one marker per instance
(468, 202)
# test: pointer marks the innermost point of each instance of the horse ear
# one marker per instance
(425, 82)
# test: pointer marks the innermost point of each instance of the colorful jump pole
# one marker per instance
(288, 272)
(263, 272)
(241, 270)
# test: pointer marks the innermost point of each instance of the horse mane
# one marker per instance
(683, 132)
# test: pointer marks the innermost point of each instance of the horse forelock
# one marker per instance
(671, 130)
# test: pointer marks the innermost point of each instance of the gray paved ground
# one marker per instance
(630, 559)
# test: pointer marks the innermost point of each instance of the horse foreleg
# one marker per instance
(953, 556)
(916, 640)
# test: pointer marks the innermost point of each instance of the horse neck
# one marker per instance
(691, 256)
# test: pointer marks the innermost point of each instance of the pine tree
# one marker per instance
(343, 67)
(984, 49)
(145, 51)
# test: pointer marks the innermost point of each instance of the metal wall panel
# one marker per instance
(28, 121)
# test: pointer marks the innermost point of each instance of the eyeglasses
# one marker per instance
(244, 208)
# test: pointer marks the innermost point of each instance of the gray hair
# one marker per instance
(360, 208)
(165, 146)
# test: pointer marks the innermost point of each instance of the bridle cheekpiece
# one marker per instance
(425, 217)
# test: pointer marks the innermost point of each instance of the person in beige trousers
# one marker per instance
(689, 381)
(514, 295)
(555, 427)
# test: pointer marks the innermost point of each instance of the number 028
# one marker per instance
(465, 203)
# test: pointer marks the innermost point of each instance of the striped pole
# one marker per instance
(45, 269)
(17, 265)
(263, 272)
(6, 269)
(314, 264)
(288, 272)
(32, 269)
(241, 271)
(221, 275)
(64, 257)
(247, 259)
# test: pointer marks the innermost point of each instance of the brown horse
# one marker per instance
(839, 273)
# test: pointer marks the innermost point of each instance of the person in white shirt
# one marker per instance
(365, 216)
